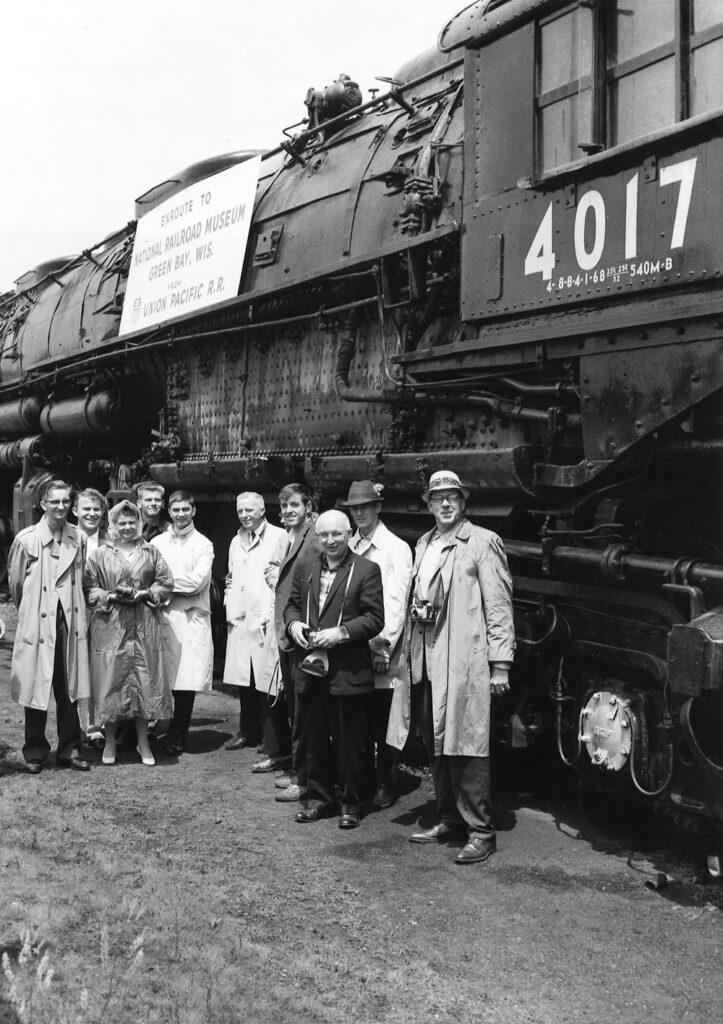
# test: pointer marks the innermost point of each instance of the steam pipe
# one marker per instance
(649, 567)
(561, 387)
(344, 390)
(503, 409)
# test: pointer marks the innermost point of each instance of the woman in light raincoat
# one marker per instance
(125, 581)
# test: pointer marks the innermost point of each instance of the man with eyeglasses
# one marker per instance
(45, 572)
(461, 645)
(335, 607)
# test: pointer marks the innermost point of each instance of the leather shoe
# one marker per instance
(33, 767)
(239, 742)
(174, 749)
(284, 780)
(439, 833)
(76, 763)
(383, 798)
(292, 793)
(268, 764)
(349, 821)
(476, 851)
(308, 814)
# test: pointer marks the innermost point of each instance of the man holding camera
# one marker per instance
(336, 606)
(461, 648)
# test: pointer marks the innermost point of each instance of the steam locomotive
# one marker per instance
(508, 264)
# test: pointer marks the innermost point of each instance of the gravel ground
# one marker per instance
(185, 893)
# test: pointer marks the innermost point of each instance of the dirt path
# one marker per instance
(186, 893)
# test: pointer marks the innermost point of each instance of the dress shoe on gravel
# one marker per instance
(439, 833)
(239, 742)
(76, 763)
(174, 749)
(308, 814)
(282, 781)
(349, 821)
(292, 793)
(383, 798)
(476, 851)
(33, 767)
(268, 764)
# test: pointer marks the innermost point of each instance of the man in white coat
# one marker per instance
(45, 572)
(186, 623)
(252, 652)
(461, 646)
(373, 540)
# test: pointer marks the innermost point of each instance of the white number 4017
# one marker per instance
(540, 258)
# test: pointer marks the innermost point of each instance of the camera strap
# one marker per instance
(343, 602)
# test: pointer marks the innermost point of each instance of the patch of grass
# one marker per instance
(29, 974)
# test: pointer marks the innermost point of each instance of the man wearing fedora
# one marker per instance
(461, 646)
(372, 540)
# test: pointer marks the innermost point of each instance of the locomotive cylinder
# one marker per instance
(98, 413)
(20, 417)
(34, 449)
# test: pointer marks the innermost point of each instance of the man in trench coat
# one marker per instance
(45, 571)
(461, 646)
(251, 651)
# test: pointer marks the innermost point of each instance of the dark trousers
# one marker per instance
(386, 756)
(287, 660)
(264, 718)
(183, 701)
(336, 731)
(462, 785)
(36, 747)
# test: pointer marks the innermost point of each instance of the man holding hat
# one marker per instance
(375, 542)
(461, 649)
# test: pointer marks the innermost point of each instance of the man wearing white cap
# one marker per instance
(461, 649)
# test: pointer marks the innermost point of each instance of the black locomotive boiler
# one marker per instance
(509, 265)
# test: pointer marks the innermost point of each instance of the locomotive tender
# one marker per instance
(508, 265)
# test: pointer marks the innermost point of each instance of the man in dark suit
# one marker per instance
(297, 513)
(336, 606)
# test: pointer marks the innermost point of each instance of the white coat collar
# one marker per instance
(379, 539)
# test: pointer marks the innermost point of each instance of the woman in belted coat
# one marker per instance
(125, 580)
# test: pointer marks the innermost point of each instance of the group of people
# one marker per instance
(339, 643)
(114, 620)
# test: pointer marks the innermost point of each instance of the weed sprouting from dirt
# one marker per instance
(29, 978)
(29, 975)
